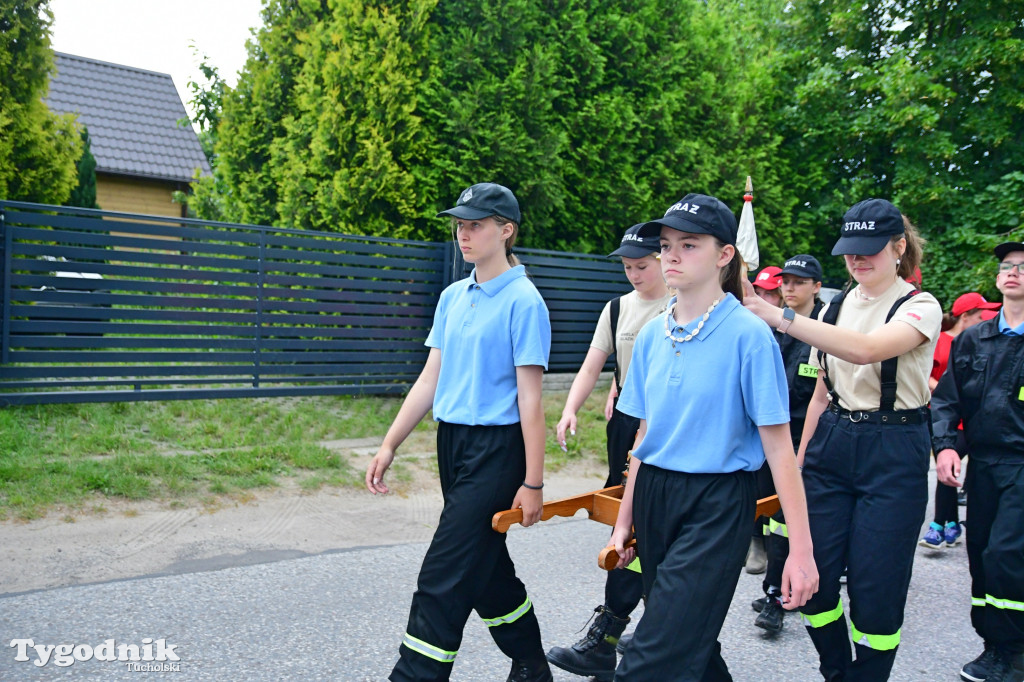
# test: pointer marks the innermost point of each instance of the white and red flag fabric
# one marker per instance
(746, 237)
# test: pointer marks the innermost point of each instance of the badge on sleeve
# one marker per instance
(806, 370)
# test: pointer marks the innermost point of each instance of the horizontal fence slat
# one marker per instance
(130, 238)
(70, 312)
(169, 301)
(213, 333)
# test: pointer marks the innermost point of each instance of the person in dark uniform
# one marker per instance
(866, 444)
(707, 382)
(489, 346)
(801, 282)
(617, 327)
(983, 387)
(945, 529)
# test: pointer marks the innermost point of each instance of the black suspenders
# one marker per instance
(888, 402)
(615, 342)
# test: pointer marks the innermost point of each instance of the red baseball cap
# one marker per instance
(769, 278)
(971, 301)
(989, 314)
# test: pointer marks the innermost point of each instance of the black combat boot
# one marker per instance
(1007, 666)
(978, 669)
(530, 671)
(594, 655)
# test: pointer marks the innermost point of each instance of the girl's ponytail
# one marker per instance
(914, 253)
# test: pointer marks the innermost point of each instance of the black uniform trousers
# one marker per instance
(867, 493)
(776, 541)
(947, 508)
(467, 565)
(623, 588)
(995, 548)
(692, 533)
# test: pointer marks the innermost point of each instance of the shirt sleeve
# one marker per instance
(531, 332)
(603, 340)
(435, 339)
(763, 382)
(923, 313)
(632, 399)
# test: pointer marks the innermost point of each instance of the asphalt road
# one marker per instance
(340, 616)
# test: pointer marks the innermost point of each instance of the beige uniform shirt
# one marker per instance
(859, 386)
(634, 313)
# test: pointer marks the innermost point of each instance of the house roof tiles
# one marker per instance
(132, 116)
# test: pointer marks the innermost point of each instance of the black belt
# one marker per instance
(920, 415)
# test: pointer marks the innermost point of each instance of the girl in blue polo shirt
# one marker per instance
(488, 349)
(708, 385)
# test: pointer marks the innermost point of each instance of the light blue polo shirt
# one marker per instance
(485, 331)
(704, 399)
(1006, 329)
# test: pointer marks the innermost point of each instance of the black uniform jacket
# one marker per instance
(984, 386)
(800, 376)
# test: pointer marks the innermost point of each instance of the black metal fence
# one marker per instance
(102, 306)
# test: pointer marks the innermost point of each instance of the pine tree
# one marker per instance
(38, 149)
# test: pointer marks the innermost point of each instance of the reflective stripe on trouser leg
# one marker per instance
(819, 620)
(876, 642)
(776, 528)
(428, 650)
(1002, 603)
(509, 617)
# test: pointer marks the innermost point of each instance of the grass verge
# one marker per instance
(76, 457)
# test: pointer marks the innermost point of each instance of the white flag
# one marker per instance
(746, 238)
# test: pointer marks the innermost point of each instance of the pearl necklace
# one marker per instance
(670, 315)
(863, 296)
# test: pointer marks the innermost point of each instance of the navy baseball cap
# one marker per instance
(1007, 247)
(868, 227)
(484, 200)
(635, 246)
(803, 265)
(699, 214)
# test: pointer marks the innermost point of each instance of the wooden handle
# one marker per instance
(564, 507)
(609, 558)
(767, 506)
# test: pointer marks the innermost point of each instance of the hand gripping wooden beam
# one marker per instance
(602, 506)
